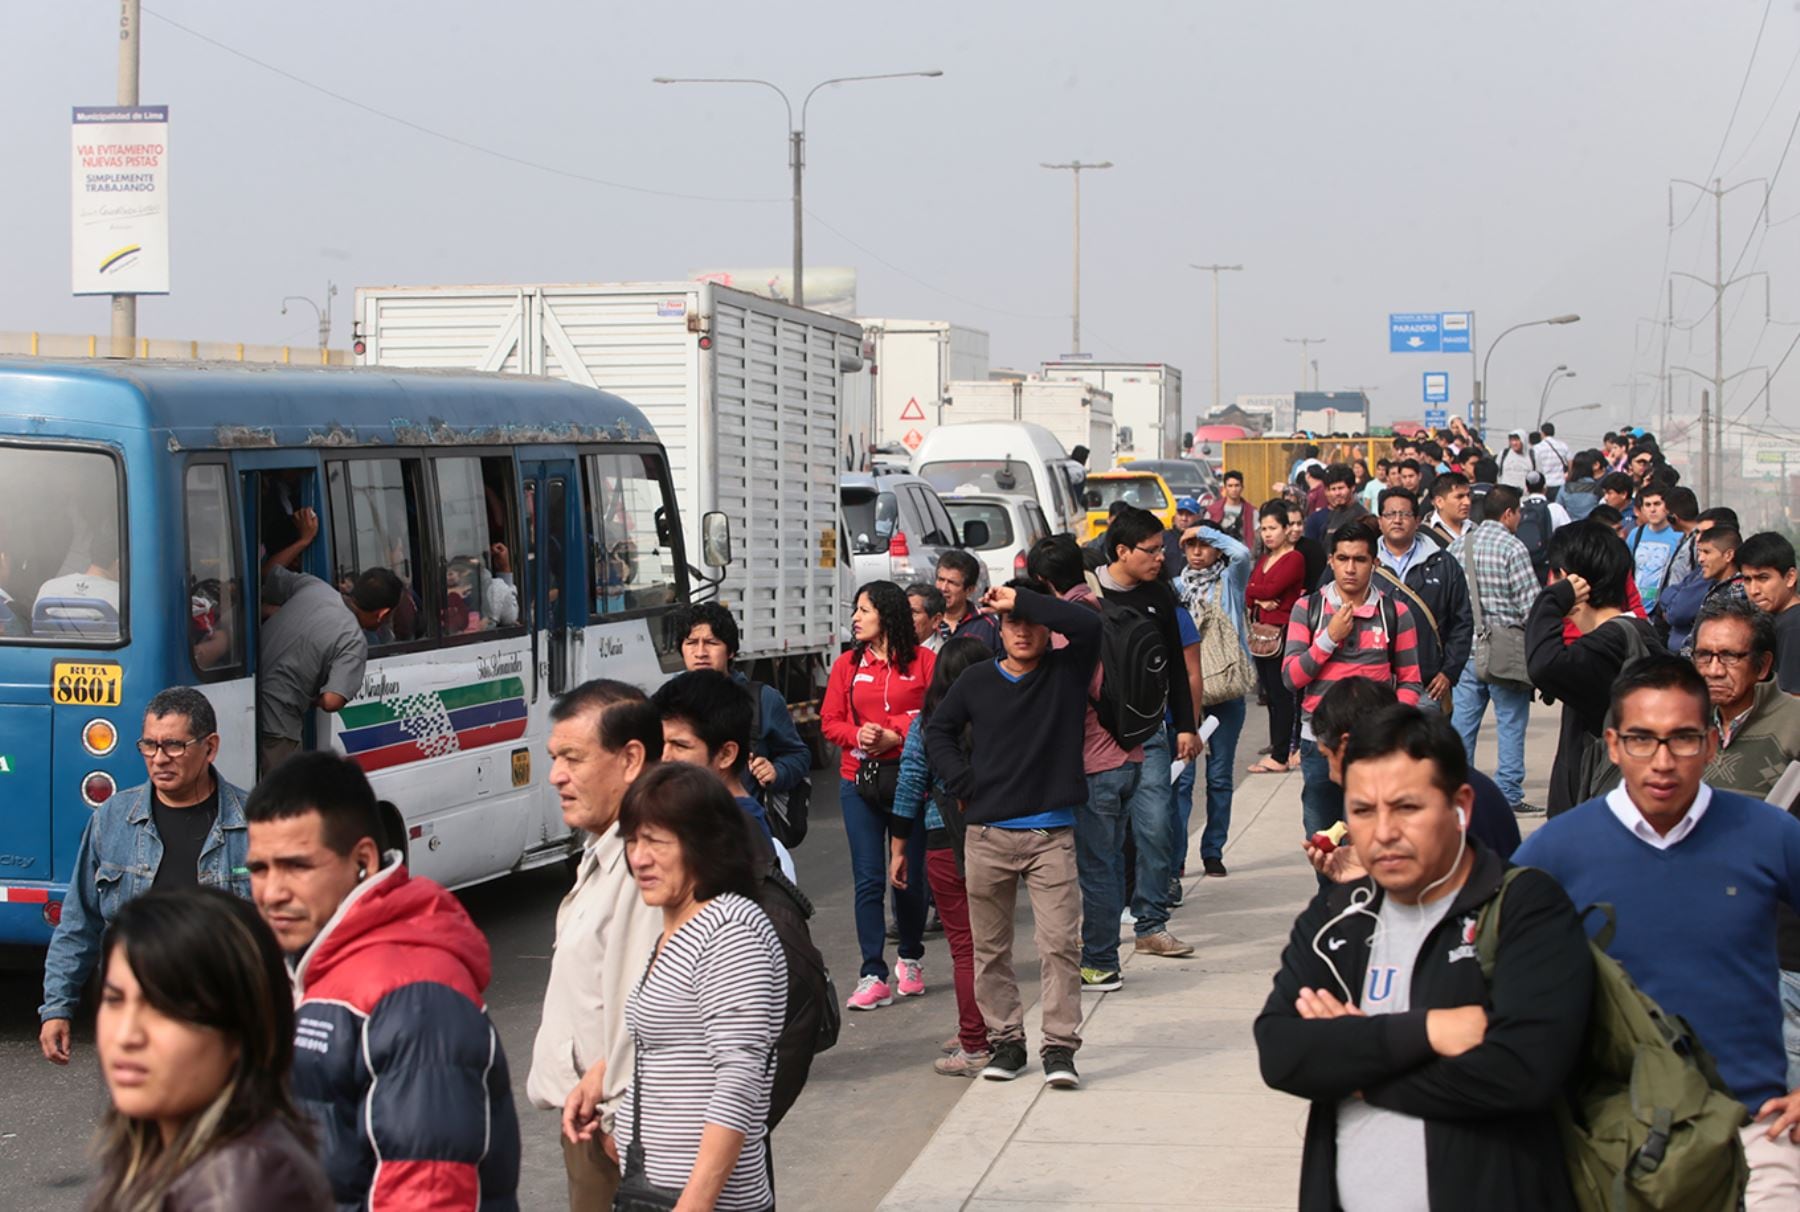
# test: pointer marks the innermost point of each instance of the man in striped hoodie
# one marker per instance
(1349, 629)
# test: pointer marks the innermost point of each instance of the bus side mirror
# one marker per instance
(715, 539)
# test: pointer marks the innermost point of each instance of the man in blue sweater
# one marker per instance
(1020, 783)
(1695, 876)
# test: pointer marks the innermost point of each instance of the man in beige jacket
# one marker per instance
(604, 735)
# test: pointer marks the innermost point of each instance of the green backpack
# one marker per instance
(1646, 1123)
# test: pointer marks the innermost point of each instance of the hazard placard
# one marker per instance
(912, 411)
(912, 439)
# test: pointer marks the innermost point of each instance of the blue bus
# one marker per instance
(532, 522)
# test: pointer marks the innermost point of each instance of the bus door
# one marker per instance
(273, 486)
(555, 575)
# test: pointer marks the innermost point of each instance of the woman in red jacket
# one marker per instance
(1275, 583)
(875, 692)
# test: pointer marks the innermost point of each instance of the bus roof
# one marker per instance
(233, 405)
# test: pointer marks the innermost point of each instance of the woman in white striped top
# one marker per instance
(706, 1014)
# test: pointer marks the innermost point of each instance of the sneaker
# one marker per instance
(962, 1064)
(1523, 809)
(1164, 944)
(1059, 1069)
(1007, 1062)
(1176, 895)
(1214, 866)
(871, 991)
(1099, 980)
(950, 1045)
(1127, 918)
(912, 978)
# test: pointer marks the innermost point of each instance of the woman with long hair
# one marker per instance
(706, 1013)
(967, 1051)
(195, 1038)
(1276, 581)
(871, 699)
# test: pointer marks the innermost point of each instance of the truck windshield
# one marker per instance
(59, 547)
(1141, 491)
(966, 476)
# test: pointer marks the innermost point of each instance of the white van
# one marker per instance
(1012, 457)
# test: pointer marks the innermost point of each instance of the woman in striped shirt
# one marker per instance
(709, 1007)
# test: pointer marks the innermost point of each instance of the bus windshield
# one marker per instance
(59, 547)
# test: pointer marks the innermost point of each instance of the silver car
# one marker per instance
(894, 528)
(1009, 525)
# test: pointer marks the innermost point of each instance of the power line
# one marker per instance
(1731, 121)
(454, 140)
(1774, 104)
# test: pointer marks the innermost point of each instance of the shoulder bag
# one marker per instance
(636, 1192)
(1499, 651)
(1225, 672)
(877, 781)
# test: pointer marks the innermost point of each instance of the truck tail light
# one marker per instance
(1019, 564)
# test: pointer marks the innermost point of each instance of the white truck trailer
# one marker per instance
(1077, 413)
(1146, 402)
(745, 393)
(910, 364)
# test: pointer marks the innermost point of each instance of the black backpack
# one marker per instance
(787, 810)
(1134, 675)
(1535, 525)
(810, 1025)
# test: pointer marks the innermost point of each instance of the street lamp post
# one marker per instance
(324, 313)
(1215, 271)
(1481, 383)
(1305, 344)
(1075, 169)
(796, 143)
(1563, 412)
(1561, 372)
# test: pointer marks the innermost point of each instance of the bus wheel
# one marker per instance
(393, 827)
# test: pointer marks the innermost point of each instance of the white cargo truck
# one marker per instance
(910, 363)
(1077, 413)
(1146, 402)
(745, 393)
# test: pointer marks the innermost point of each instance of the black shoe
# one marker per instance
(1059, 1069)
(1007, 1063)
(1523, 809)
(1214, 866)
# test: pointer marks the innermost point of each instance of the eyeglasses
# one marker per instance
(1154, 549)
(1396, 515)
(1730, 660)
(173, 749)
(1645, 744)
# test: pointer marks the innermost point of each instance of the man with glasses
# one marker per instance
(1429, 580)
(1695, 875)
(183, 828)
(1759, 726)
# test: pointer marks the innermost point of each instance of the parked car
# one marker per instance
(1145, 489)
(1185, 477)
(1011, 524)
(893, 528)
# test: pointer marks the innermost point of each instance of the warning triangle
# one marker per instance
(912, 411)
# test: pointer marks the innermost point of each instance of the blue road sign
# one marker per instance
(1414, 332)
(1437, 387)
(1436, 418)
(1453, 332)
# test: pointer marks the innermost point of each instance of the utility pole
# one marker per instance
(1305, 343)
(1215, 271)
(1076, 167)
(124, 307)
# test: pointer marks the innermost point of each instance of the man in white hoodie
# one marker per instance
(1515, 461)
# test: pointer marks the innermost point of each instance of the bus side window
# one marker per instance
(474, 501)
(215, 586)
(375, 513)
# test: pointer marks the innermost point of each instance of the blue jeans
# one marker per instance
(1321, 800)
(1790, 1025)
(865, 828)
(1512, 709)
(1221, 767)
(1181, 811)
(1152, 833)
(1100, 830)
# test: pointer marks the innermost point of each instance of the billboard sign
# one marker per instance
(119, 199)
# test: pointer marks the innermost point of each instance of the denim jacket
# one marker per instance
(917, 782)
(117, 861)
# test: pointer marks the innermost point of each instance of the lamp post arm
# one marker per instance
(807, 100)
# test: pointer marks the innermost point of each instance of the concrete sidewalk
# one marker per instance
(1172, 1112)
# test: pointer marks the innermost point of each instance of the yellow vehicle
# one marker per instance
(1145, 489)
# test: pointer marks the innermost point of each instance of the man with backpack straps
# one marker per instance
(1539, 518)
(1140, 637)
(1430, 1087)
(1694, 876)
(1429, 580)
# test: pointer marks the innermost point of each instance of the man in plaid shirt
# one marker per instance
(1500, 576)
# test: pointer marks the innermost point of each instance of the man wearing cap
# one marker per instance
(1187, 514)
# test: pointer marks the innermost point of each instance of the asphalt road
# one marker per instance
(869, 1107)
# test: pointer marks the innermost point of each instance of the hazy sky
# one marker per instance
(1358, 158)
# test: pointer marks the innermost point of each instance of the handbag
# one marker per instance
(1499, 651)
(1225, 669)
(636, 1192)
(877, 781)
(1265, 638)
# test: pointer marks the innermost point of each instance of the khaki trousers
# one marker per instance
(994, 862)
(593, 1176)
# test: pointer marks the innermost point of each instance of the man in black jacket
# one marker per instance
(1429, 1087)
(1423, 574)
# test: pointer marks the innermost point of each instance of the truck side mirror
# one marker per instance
(715, 539)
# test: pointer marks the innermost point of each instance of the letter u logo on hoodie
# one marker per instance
(1380, 985)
